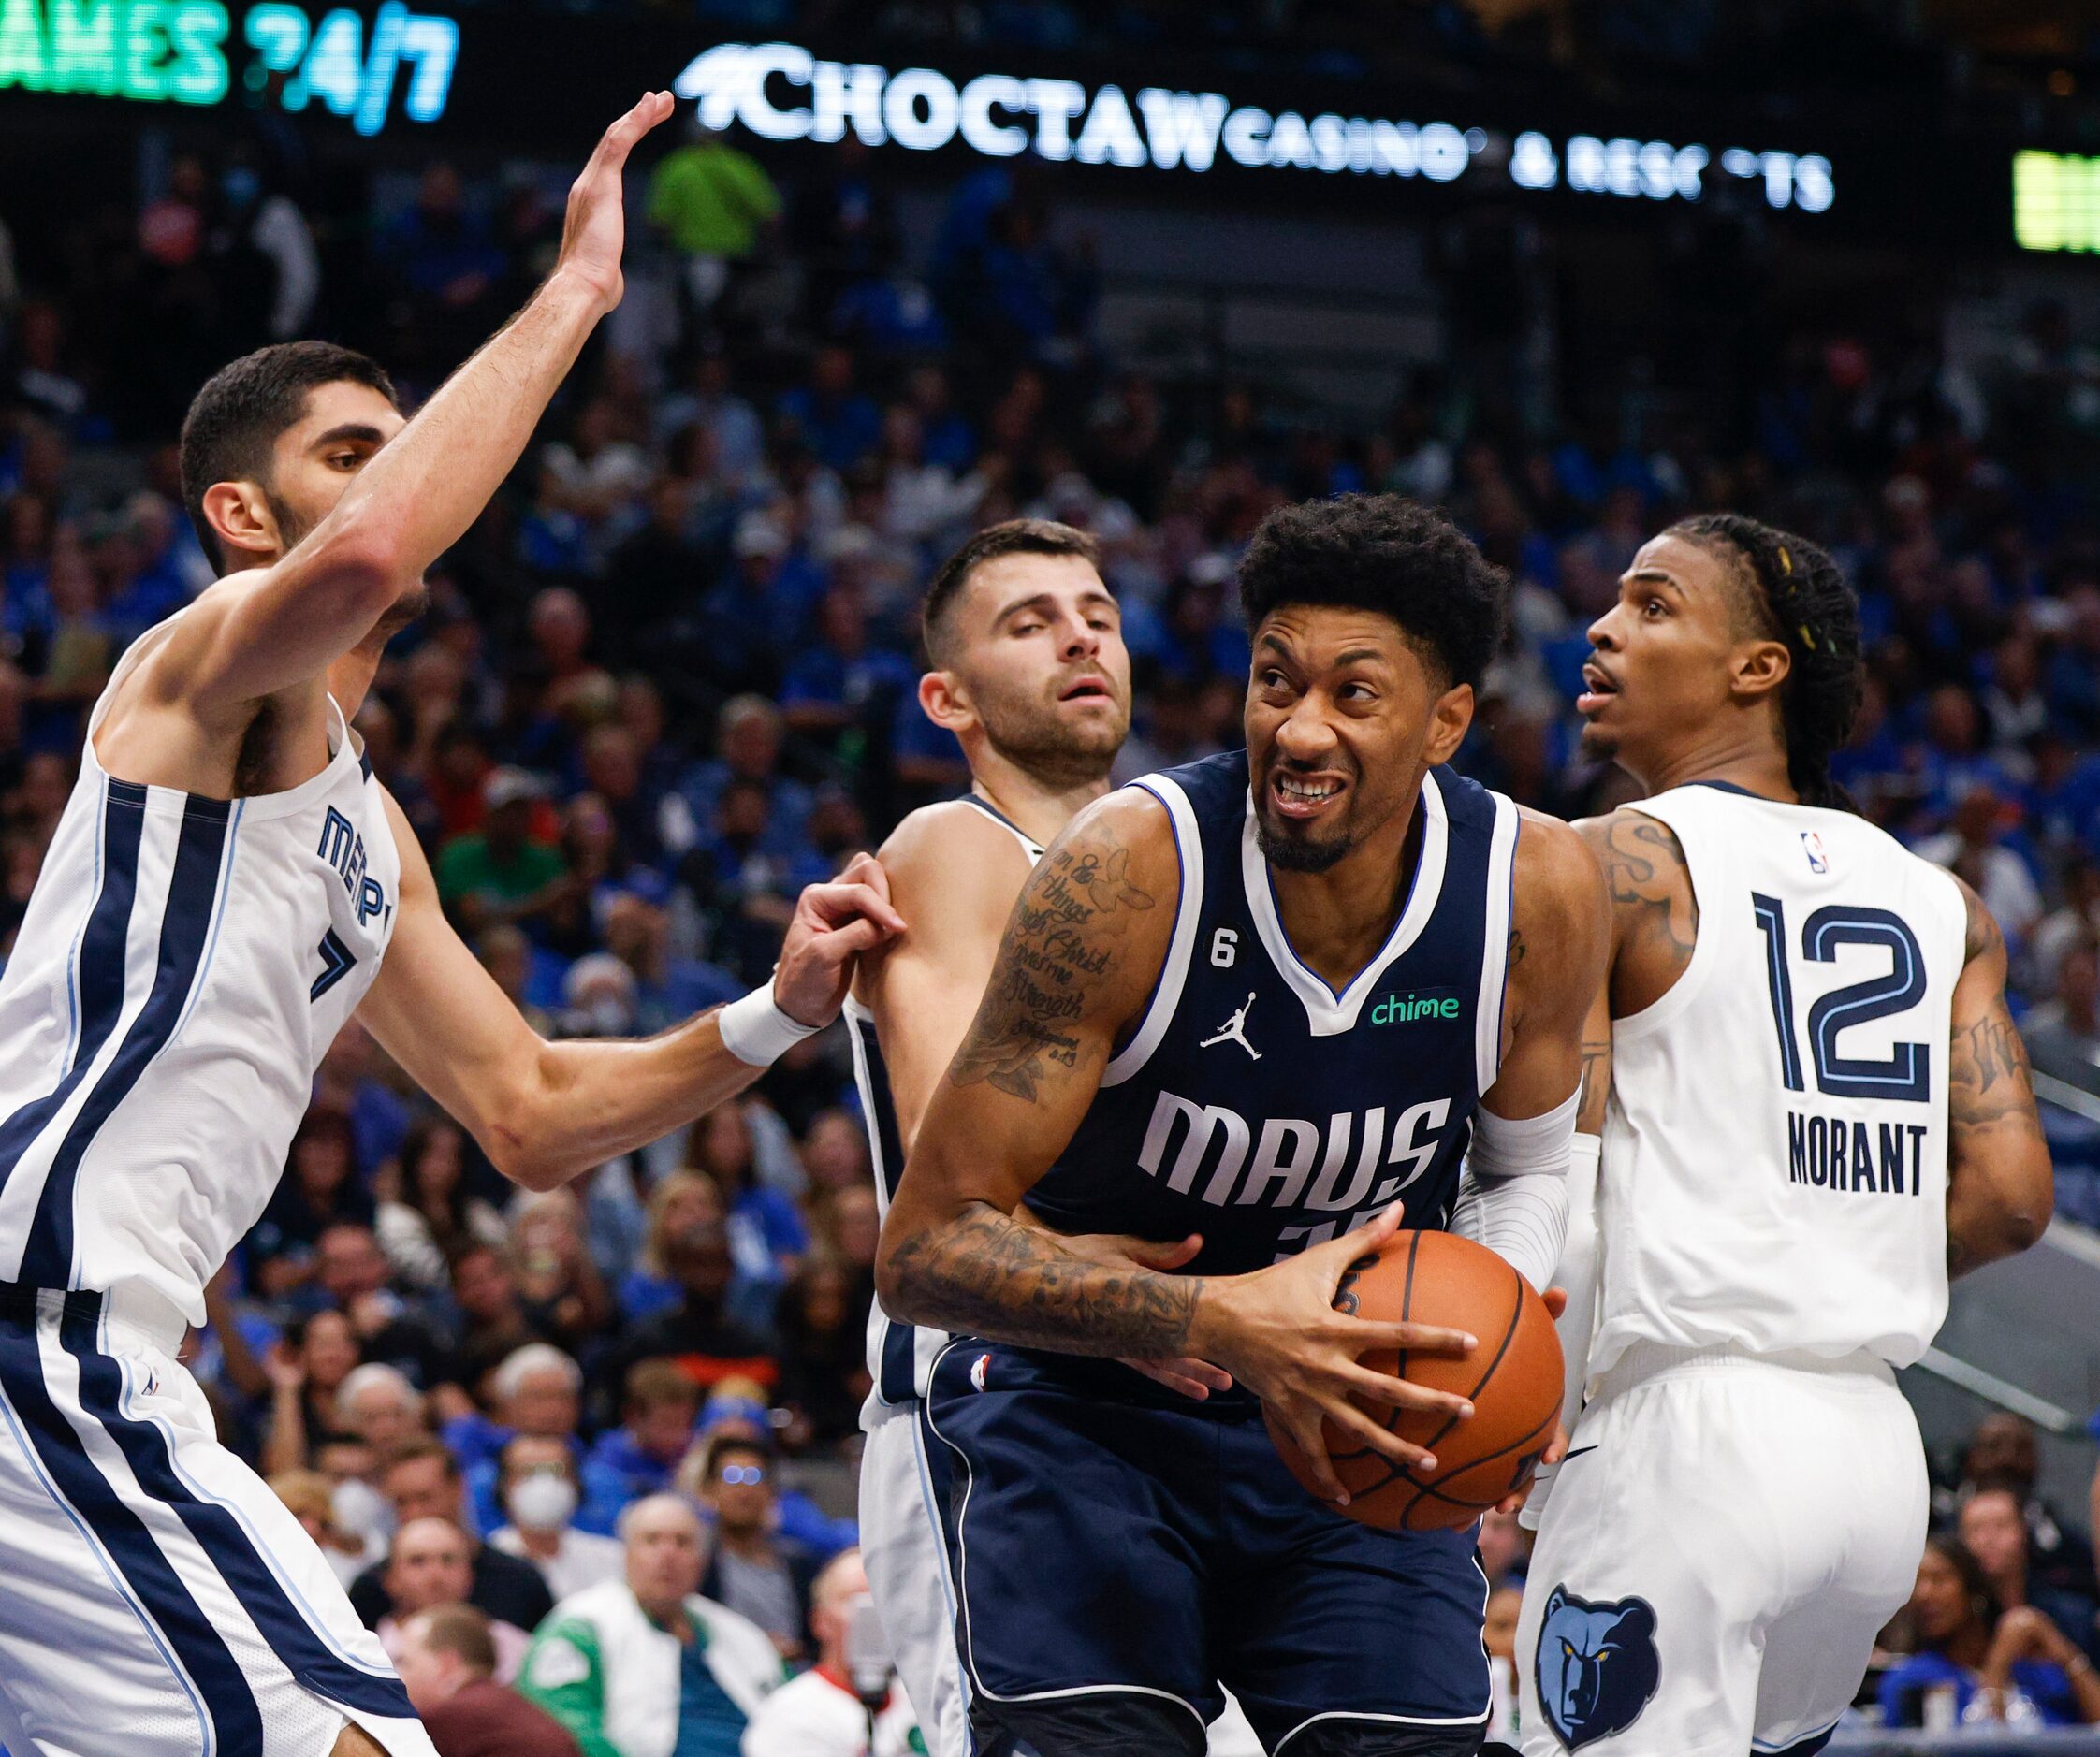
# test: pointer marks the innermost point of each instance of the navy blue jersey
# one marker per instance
(1255, 1105)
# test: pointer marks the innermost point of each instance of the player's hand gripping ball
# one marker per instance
(1513, 1379)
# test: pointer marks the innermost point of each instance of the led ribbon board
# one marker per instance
(183, 52)
(2056, 201)
(781, 92)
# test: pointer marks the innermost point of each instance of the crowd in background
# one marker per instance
(668, 678)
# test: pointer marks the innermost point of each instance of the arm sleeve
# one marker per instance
(1514, 1196)
(1578, 1273)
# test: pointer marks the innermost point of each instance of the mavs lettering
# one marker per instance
(344, 849)
(1829, 1153)
(1213, 1158)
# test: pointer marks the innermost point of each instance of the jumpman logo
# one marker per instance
(1235, 1031)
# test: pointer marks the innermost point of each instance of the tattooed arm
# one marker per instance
(1999, 1183)
(1655, 912)
(1078, 958)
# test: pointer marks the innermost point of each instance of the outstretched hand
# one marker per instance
(832, 924)
(594, 236)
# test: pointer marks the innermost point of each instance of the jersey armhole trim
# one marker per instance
(1692, 978)
(1494, 950)
(1174, 974)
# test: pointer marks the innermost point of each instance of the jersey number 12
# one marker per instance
(1906, 1074)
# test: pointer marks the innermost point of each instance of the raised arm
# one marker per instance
(2000, 1186)
(258, 632)
(544, 1112)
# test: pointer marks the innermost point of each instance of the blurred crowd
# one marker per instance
(669, 678)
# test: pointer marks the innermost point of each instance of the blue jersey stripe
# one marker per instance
(228, 1548)
(47, 1261)
(93, 1503)
(101, 966)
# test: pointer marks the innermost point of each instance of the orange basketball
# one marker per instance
(1514, 1380)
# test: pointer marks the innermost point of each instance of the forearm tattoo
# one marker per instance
(985, 1274)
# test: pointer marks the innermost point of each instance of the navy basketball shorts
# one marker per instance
(1110, 1539)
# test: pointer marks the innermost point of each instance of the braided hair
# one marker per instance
(1801, 599)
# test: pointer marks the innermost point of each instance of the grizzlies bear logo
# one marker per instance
(1597, 1664)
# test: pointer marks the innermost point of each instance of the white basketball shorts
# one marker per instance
(1727, 1537)
(160, 1602)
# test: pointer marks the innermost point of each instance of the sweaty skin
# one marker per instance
(1080, 956)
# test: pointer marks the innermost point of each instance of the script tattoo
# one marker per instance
(987, 1274)
(1991, 1210)
(1065, 935)
(1987, 1073)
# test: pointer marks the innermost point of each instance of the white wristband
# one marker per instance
(756, 1030)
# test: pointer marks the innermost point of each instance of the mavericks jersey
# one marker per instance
(183, 965)
(1774, 1166)
(899, 1356)
(1259, 1106)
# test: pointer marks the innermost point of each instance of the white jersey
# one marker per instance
(182, 967)
(812, 1716)
(1775, 1150)
(899, 1356)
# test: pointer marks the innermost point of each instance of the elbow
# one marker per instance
(362, 566)
(2022, 1230)
(528, 1166)
(896, 1286)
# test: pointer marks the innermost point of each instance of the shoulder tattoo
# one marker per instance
(1068, 935)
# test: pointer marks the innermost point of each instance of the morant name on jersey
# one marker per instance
(1775, 1164)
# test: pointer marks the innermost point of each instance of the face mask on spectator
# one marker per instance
(362, 1511)
(546, 1500)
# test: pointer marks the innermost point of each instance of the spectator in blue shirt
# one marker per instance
(842, 681)
(841, 424)
(748, 735)
(2017, 1668)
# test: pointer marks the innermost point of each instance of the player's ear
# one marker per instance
(240, 514)
(1449, 719)
(945, 700)
(1758, 669)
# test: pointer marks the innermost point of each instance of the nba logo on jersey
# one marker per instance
(1812, 845)
(978, 1368)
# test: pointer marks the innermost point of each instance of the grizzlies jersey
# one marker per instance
(183, 965)
(1774, 1166)
(899, 1356)
(1255, 1105)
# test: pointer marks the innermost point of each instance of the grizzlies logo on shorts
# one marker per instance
(1597, 1666)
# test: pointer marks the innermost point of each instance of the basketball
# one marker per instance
(1514, 1380)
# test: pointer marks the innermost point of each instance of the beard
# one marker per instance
(1294, 853)
(1042, 744)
